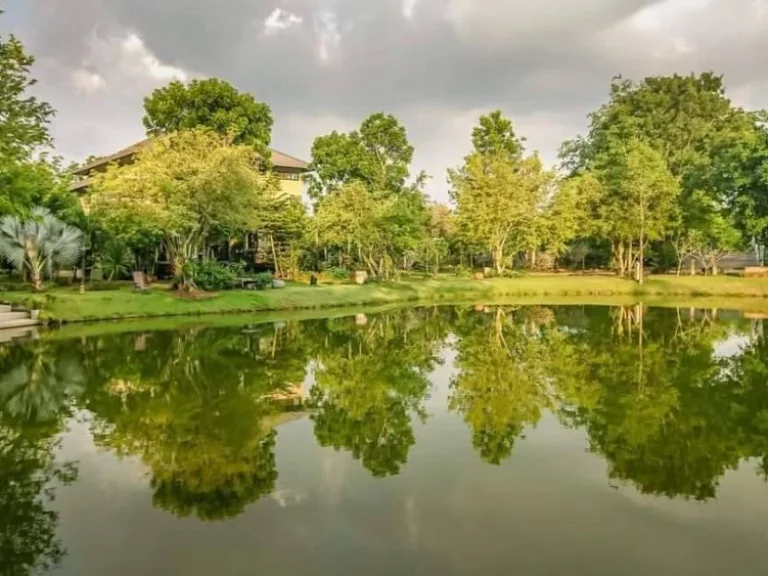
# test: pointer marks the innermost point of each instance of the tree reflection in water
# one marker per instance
(200, 406)
(39, 382)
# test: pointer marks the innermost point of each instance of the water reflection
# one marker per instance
(201, 408)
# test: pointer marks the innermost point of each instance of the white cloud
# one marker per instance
(329, 37)
(88, 82)
(139, 58)
(280, 20)
(408, 6)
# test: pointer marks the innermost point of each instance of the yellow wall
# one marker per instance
(291, 187)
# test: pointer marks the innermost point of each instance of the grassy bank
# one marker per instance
(67, 305)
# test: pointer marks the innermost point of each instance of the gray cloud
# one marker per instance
(437, 64)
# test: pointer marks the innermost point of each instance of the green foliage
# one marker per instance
(374, 232)
(710, 147)
(263, 280)
(213, 275)
(116, 260)
(497, 200)
(23, 117)
(189, 186)
(378, 155)
(338, 273)
(39, 245)
(213, 104)
(495, 134)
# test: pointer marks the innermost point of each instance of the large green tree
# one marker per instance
(705, 142)
(497, 203)
(27, 177)
(210, 103)
(377, 154)
(639, 200)
(23, 117)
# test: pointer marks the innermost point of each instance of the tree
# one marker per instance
(28, 178)
(210, 103)
(188, 185)
(39, 244)
(372, 231)
(23, 118)
(639, 202)
(707, 144)
(497, 198)
(496, 135)
(378, 155)
(283, 219)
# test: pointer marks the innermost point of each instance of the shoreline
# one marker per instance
(66, 305)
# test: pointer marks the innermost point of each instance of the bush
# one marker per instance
(262, 281)
(16, 287)
(213, 275)
(338, 273)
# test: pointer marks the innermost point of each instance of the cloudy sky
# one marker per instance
(326, 64)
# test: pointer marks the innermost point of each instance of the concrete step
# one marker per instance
(12, 334)
(5, 308)
(20, 323)
(5, 316)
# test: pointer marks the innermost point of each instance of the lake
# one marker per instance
(443, 440)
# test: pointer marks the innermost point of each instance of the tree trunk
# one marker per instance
(713, 263)
(497, 254)
(618, 257)
(640, 256)
(274, 255)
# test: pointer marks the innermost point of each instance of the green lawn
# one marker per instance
(67, 305)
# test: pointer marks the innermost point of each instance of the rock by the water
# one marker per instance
(278, 283)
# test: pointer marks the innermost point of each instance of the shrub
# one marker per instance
(338, 273)
(262, 281)
(16, 287)
(213, 275)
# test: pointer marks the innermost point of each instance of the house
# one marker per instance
(288, 168)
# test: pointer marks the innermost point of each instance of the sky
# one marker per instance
(325, 65)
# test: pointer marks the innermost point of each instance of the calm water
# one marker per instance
(426, 441)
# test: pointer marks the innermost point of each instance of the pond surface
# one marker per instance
(473, 440)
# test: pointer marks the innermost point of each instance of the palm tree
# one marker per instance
(39, 243)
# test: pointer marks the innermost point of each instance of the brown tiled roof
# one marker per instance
(279, 160)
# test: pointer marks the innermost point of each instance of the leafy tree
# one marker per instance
(639, 200)
(374, 231)
(707, 144)
(189, 185)
(39, 244)
(497, 199)
(495, 134)
(23, 118)
(283, 220)
(213, 104)
(378, 155)
(28, 178)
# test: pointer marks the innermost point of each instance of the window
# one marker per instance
(289, 176)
